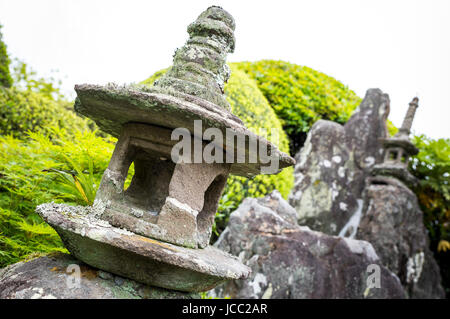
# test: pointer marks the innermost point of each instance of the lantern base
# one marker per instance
(145, 260)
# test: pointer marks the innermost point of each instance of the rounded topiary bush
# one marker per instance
(300, 96)
(22, 111)
(248, 103)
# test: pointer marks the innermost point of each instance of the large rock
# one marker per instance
(392, 223)
(334, 193)
(333, 165)
(289, 261)
(54, 277)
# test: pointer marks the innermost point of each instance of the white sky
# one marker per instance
(401, 47)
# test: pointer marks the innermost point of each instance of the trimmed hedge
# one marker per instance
(22, 111)
(249, 104)
(300, 96)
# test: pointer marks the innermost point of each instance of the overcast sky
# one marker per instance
(401, 47)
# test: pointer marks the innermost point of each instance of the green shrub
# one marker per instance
(300, 96)
(25, 110)
(26, 79)
(24, 185)
(248, 103)
(432, 167)
(5, 76)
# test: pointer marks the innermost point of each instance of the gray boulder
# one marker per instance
(290, 261)
(333, 165)
(392, 223)
(54, 277)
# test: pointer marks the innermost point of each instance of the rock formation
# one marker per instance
(333, 164)
(60, 276)
(352, 181)
(290, 261)
(392, 223)
(392, 220)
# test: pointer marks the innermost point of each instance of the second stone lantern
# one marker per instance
(398, 150)
(157, 230)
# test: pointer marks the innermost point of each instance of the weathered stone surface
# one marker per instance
(393, 224)
(172, 202)
(199, 67)
(290, 261)
(398, 150)
(126, 254)
(112, 106)
(345, 181)
(54, 277)
(366, 127)
(321, 194)
(333, 164)
(396, 170)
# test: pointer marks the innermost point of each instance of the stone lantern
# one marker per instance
(398, 150)
(157, 230)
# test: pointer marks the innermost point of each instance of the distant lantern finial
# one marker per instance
(409, 117)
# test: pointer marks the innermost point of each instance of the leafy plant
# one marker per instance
(23, 185)
(443, 246)
(26, 79)
(5, 76)
(76, 183)
(432, 167)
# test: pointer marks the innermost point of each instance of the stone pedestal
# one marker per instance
(145, 260)
(60, 276)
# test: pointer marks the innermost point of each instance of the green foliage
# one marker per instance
(27, 79)
(76, 182)
(392, 130)
(249, 104)
(47, 153)
(432, 167)
(5, 76)
(24, 185)
(26, 110)
(300, 96)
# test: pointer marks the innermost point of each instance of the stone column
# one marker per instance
(409, 117)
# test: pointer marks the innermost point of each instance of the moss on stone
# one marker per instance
(249, 104)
